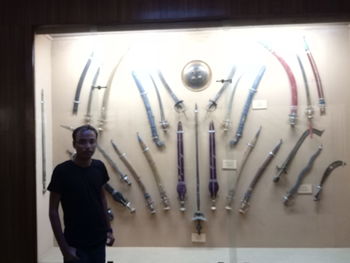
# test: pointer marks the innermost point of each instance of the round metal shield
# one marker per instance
(196, 75)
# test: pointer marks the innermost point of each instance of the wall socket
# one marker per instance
(305, 189)
(198, 238)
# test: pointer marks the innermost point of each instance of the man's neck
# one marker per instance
(82, 162)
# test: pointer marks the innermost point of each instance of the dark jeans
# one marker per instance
(91, 255)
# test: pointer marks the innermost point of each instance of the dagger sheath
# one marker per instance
(213, 182)
(294, 189)
(146, 195)
(248, 194)
(118, 197)
(325, 175)
(181, 185)
(163, 122)
(246, 107)
(157, 178)
(150, 116)
(283, 168)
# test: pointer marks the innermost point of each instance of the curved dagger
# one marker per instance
(181, 185)
(150, 116)
(146, 195)
(294, 189)
(118, 197)
(322, 102)
(163, 122)
(157, 178)
(213, 102)
(213, 182)
(80, 85)
(283, 168)
(246, 107)
(293, 86)
(325, 175)
(248, 194)
(249, 148)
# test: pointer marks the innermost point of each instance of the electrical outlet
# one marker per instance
(229, 164)
(198, 238)
(259, 105)
(305, 189)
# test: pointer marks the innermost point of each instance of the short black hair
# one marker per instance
(83, 128)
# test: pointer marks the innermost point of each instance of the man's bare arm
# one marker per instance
(110, 236)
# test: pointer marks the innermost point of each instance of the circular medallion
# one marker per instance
(196, 75)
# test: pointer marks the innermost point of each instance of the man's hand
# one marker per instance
(70, 254)
(110, 239)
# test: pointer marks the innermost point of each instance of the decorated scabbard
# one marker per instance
(248, 194)
(88, 115)
(157, 178)
(246, 107)
(164, 124)
(123, 177)
(213, 182)
(181, 185)
(213, 102)
(294, 189)
(325, 175)
(179, 105)
(146, 195)
(150, 116)
(249, 148)
(293, 86)
(118, 197)
(284, 167)
(80, 85)
(321, 102)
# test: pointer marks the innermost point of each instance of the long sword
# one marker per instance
(248, 194)
(321, 102)
(213, 182)
(249, 148)
(181, 185)
(118, 197)
(246, 107)
(80, 85)
(146, 195)
(43, 142)
(325, 175)
(163, 122)
(283, 168)
(213, 102)
(150, 116)
(294, 189)
(157, 178)
(198, 216)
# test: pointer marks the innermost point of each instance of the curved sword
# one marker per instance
(146, 195)
(118, 197)
(294, 189)
(181, 185)
(163, 122)
(150, 116)
(246, 107)
(213, 102)
(80, 85)
(325, 175)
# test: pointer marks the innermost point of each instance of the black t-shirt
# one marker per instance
(80, 189)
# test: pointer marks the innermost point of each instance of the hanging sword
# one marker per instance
(246, 107)
(181, 185)
(198, 216)
(283, 168)
(293, 86)
(325, 175)
(179, 105)
(321, 101)
(150, 115)
(163, 122)
(213, 182)
(309, 109)
(249, 148)
(294, 189)
(118, 197)
(213, 102)
(227, 122)
(146, 195)
(248, 194)
(123, 176)
(43, 142)
(80, 85)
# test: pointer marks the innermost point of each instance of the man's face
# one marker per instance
(85, 144)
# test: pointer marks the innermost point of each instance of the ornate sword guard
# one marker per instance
(179, 106)
(244, 207)
(226, 125)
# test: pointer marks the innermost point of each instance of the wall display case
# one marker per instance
(212, 111)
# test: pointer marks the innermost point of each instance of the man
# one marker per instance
(78, 185)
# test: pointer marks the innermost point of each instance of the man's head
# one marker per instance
(85, 141)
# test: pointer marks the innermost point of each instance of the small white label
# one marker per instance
(305, 189)
(229, 164)
(198, 238)
(259, 104)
